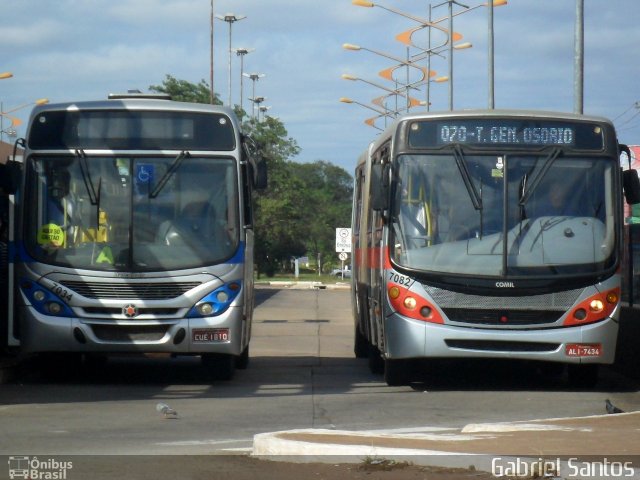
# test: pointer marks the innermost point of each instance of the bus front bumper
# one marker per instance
(220, 334)
(593, 343)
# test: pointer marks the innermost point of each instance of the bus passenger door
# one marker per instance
(9, 181)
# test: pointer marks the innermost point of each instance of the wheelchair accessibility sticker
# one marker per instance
(145, 173)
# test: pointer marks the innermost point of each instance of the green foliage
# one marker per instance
(184, 91)
(304, 203)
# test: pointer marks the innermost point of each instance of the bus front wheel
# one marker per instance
(396, 372)
(221, 366)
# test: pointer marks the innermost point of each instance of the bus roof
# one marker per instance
(135, 104)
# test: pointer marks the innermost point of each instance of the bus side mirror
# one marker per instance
(379, 187)
(10, 176)
(631, 185)
(258, 162)
(260, 174)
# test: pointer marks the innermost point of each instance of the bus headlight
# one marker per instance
(596, 305)
(411, 305)
(205, 309)
(216, 302)
(596, 308)
(45, 301)
(54, 308)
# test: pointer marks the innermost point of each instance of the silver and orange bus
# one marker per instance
(133, 231)
(489, 234)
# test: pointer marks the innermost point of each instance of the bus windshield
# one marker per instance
(131, 213)
(452, 212)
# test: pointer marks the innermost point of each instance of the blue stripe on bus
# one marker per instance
(238, 257)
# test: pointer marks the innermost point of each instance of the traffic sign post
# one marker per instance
(343, 246)
(343, 240)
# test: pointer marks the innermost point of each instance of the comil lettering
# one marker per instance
(505, 285)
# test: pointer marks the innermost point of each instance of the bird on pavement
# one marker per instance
(611, 408)
(166, 410)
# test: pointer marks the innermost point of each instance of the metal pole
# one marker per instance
(429, 63)
(579, 59)
(450, 54)
(230, 24)
(492, 102)
(408, 81)
(211, 91)
(241, 81)
(253, 99)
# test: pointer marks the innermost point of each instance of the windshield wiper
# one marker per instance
(466, 177)
(172, 168)
(88, 183)
(94, 197)
(528, 191)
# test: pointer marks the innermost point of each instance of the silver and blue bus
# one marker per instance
(490, 234)
(133, 231)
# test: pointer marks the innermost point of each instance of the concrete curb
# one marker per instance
(475, 445)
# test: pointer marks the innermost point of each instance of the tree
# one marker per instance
(327, 204)
(184, 91)
(303, 204)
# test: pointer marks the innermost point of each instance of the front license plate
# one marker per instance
(583, 350)
(211, 335)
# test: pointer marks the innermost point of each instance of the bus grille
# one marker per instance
(133, 291)
(502, 317)
(514, 311)
(138, 333)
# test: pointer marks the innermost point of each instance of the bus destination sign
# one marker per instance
(506, 132)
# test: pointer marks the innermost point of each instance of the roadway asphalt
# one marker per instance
(478, 445)
(614, 436)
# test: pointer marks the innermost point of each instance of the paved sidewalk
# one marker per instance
(476, 444)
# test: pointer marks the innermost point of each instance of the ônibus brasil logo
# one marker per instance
(33, 468)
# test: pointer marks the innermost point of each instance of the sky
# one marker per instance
(73, 50)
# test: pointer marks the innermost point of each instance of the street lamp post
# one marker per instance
(381, 113)
(254, 78)
(15, 121)
(578, 105)
(211, 20)
(241, 52)
(256, 104)
(411, 102)
(262, 109)
(230, 18)
(452, 36)
(490, 4)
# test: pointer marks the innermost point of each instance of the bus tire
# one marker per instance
(360, 344)
(242, 362)
(221, 366)
(396, 372)
(583, 375)
(376, 363)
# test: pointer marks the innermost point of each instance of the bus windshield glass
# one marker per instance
(128, 213)
(451, 213)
